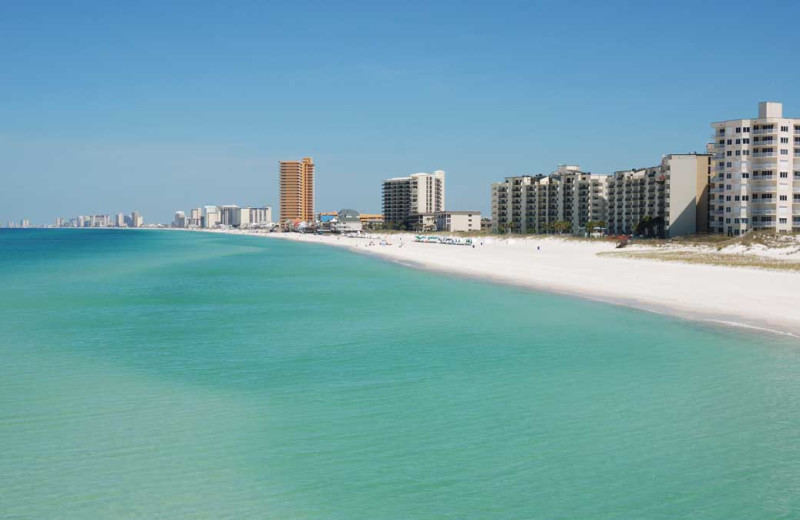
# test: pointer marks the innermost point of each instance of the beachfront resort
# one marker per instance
(747, 179)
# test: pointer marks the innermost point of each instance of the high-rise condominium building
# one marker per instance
(230, 215)
(136, 220)
(417, 194)
(211, 217)
(536, 204)
(195, 218)
(258, 216)
(755, 179)
(297, 190)
(668, 200)
(180, 220)
(249, 217)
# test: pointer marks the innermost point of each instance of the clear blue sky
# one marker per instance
(158, 106)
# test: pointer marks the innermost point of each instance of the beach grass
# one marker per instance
(707, 258)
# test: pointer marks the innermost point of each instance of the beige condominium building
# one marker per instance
(668, 200)
(755, 175)
(297, 190)
(420, 193)
(458, 221)
(535, 204)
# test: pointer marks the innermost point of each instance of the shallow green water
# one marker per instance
(150, 374)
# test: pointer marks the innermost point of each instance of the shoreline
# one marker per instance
(755, 300)
(685, 300)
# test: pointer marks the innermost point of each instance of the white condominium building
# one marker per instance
(581, 196)
(211, 217)
(756, 173)
(136, 219)
(416, 194)
(196, 218)
(257, 216)
(180, 220)
(666, 200)
(567, 197)
(229, 215)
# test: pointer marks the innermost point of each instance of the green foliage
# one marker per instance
(562, 226)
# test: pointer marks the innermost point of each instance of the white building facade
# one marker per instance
(467, 221)
(419, 193)
(672, 197)
(567, 197)
(755, 174)
(211, 217)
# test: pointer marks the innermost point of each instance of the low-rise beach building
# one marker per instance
(347, 221)
(422, 222)
(458, 221)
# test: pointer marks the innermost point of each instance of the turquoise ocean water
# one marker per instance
(148, 374)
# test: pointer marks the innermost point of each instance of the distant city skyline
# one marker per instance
(122, 106)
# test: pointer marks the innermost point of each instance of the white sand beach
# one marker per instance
(749, 297)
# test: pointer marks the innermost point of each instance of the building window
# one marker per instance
(784, 140)
(784, 129)
(745, 175)
(784, 175)
(783, 221)
(784, 198)
(784, 151)
(746, 129)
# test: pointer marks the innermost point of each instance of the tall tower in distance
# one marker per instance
(297, 190)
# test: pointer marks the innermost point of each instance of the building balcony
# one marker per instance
(767, 131)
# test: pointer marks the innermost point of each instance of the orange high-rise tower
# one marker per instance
(297, 190)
